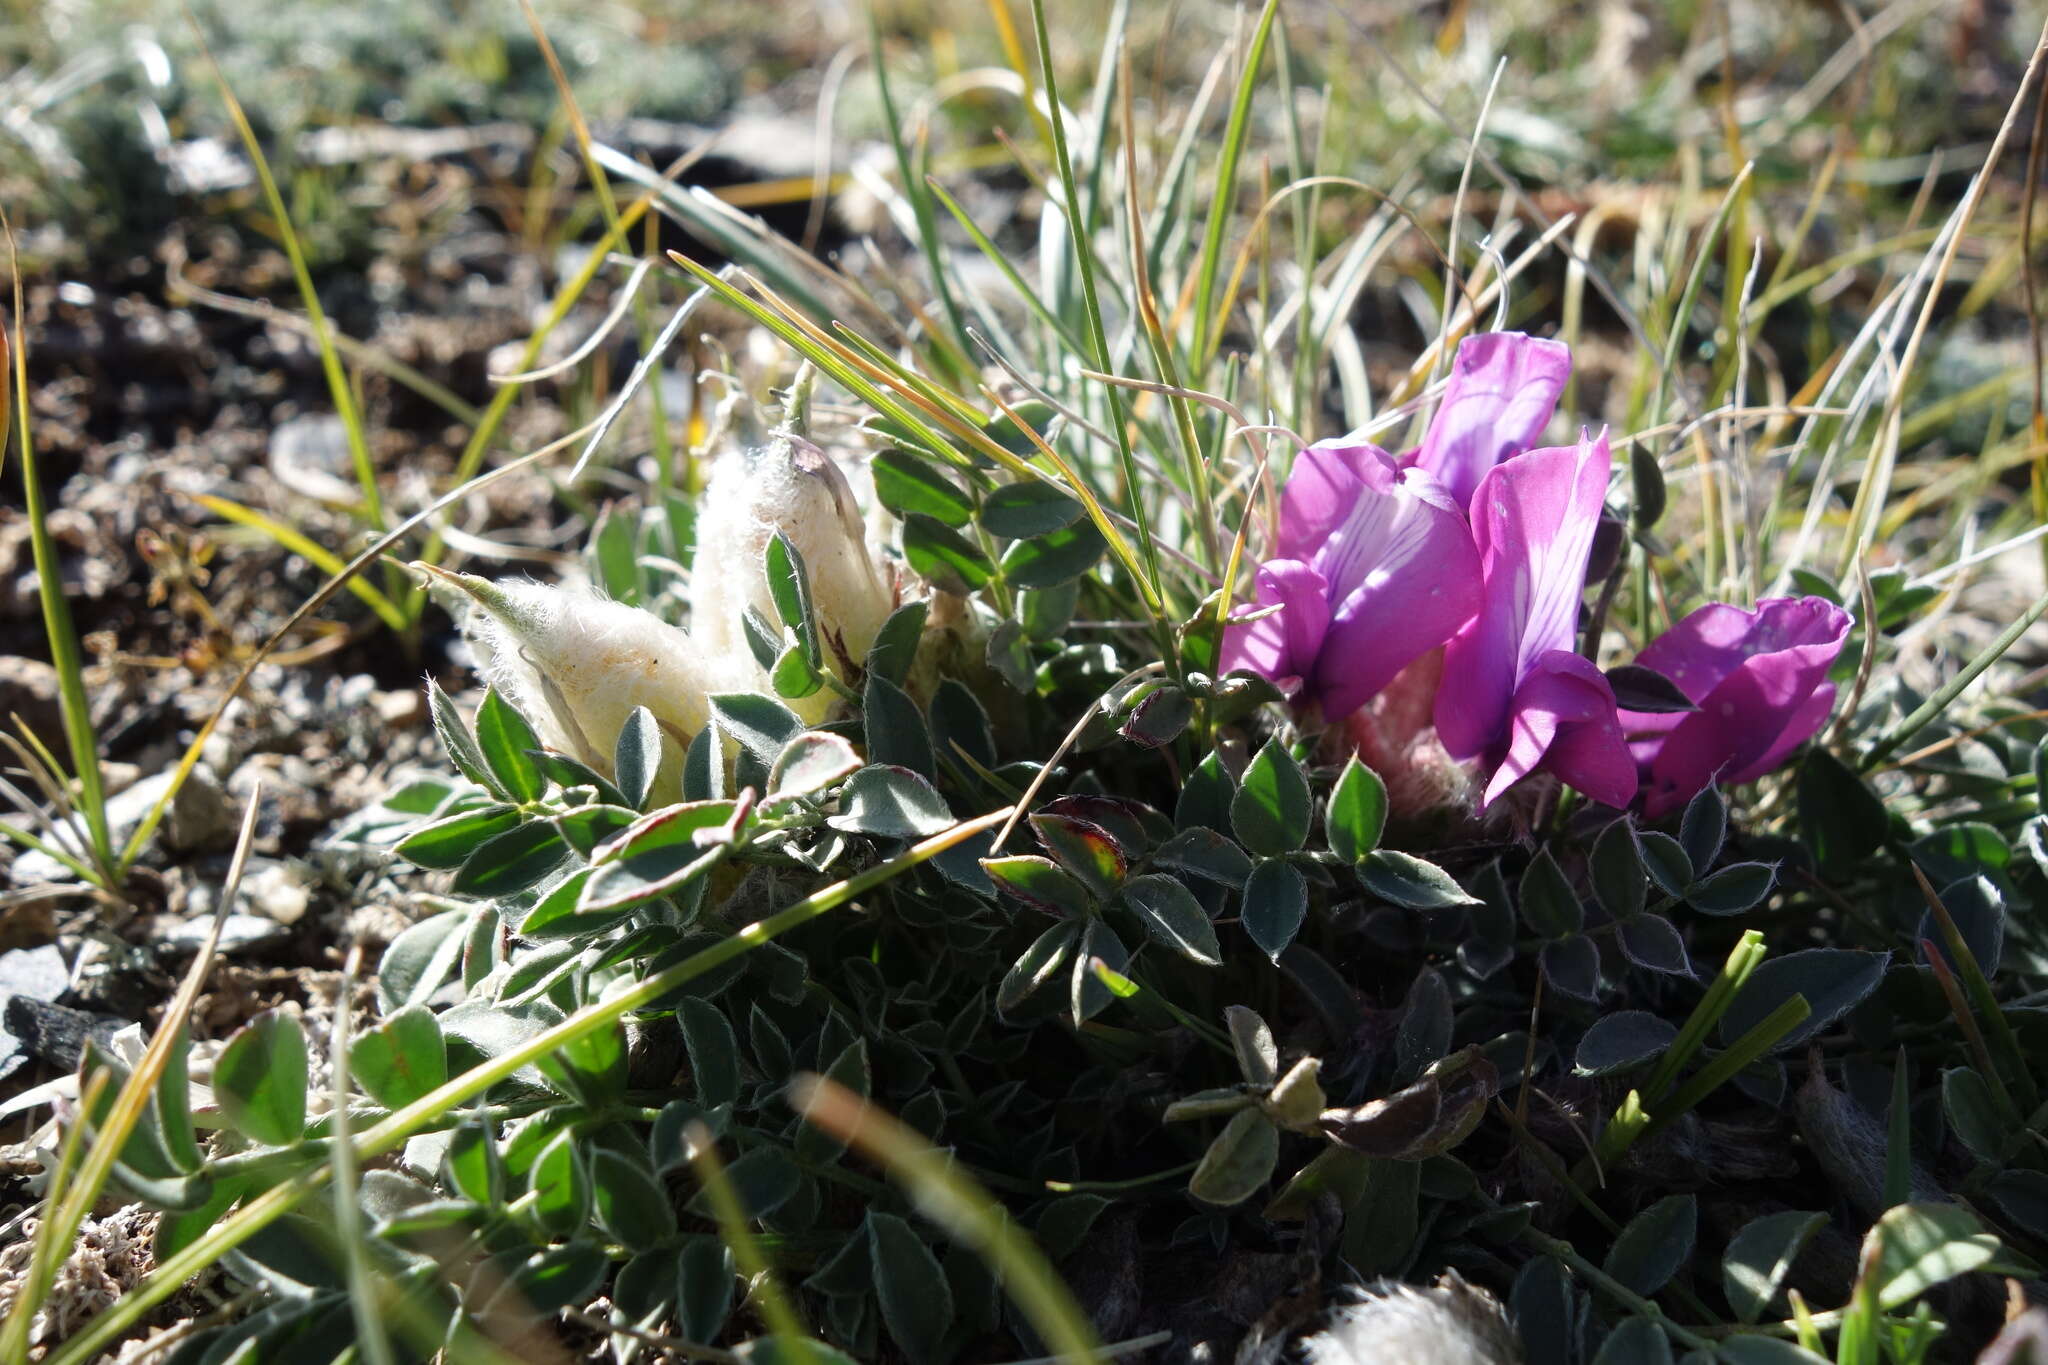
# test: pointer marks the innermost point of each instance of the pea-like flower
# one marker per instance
(1759, 679)
(1373, 567)
(1514, 694)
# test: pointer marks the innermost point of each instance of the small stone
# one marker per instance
(399, 709)
(277, 891)
(310, 456)
(37, 974)
(198, 818)
(56, 1034)
(119, 777)
(238, 933)
(28, 688)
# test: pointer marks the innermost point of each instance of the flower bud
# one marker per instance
(791, 486)
(576, 665)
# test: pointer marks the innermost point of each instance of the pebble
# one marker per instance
(28, 688)
(401, 709)
(238, 933)
(199, 818)
(310, 456)
(276, 891)
(37, 974)
(56, 1034)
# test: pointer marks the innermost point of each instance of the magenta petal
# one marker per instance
(1804, 725)
(1533, 520)
(1504, 387)
(1701, 651)
(1282, 646)
(1321, 490)
(1405, 576)
(1759, 679)
(1564, 720)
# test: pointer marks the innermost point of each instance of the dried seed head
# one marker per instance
(791, 486)
(577, 665)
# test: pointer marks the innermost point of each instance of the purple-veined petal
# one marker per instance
(1533, 520)
(1563, 719)
(1282, 646)
(1321, 490)
(1504, 387)
(1404, 576)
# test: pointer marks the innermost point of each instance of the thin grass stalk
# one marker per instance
(373, 1343)
(1875, 488)
(1932, 708)
(953, 1201)
(951, 346)
(339, 389)
(1452, 284)
(763, 1288)
(495, 412)
(1208, 336)
(1980, 993)
(320, 598)
(1162, 348)
(314, 553)
(53, 1238)
(1001, 261)
(1751, 1047)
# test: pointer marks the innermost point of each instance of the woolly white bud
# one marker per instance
(791, 486)
(577, 665)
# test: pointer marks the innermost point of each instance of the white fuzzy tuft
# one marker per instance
(794, 487)
(577, 665)
(1387, 1323)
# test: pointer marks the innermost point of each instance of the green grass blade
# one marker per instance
(314, 553)
(765, 1290)
(951, 349)
(338, 387)
(18, 835)
(1009, 272)
(960, 1206)
(1208, 338)
(1932, 708)
(1898, 1147)
(66, 654)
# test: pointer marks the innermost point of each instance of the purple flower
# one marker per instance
(1759, 679)
(1504, 387)
(1514, 694)
(1373, 566)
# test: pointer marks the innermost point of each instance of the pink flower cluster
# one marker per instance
(1478, 544)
